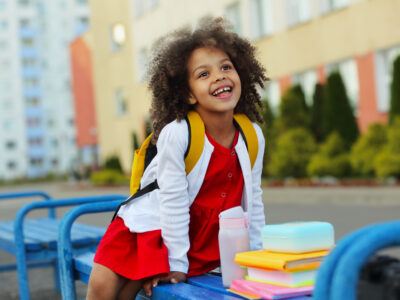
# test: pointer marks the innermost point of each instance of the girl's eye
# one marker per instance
(203, 74)
(226, 67)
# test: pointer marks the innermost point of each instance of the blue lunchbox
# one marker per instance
(298, 237)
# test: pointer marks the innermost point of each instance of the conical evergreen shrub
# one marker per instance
(395, 92)
(317, 113)
(337, 112)
(298, 90)
(292, 112)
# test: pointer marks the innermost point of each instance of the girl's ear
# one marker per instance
(192, 100)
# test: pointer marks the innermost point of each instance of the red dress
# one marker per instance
(142, 255)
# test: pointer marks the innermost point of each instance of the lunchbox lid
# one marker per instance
(293, 229)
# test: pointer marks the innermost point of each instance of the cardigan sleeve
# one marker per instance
(257, 218)
(173, 193)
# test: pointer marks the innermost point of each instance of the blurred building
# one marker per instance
(299, 42)
(84, 103)
(37, 134)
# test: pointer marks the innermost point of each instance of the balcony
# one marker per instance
(32, 92)
(27, 33)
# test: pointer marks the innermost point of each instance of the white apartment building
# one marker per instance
(37, 131)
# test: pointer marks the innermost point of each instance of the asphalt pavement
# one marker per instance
(347, 208)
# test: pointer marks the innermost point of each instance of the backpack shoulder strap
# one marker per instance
(196, 140)
(246, 128)
(138, 165)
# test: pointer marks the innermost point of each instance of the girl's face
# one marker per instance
(214, 84)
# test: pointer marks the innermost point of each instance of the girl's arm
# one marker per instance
(173, 193)
(257, 218)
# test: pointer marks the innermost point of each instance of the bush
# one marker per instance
(366, 149)
(113, 163)
(388, 161)
(108, 177)
(292, 154)
(331, 159)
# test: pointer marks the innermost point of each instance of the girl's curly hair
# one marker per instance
(169, 77)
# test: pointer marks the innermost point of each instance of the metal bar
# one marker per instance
(67, 278)
(19, 235)
(45, 196)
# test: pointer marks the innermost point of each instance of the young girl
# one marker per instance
(172, 232)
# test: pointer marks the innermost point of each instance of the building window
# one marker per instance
(261, 18)
(297, 12)
(153, 3)
(120, 103)
(23, 2)
(232, 13)
(10, 145)
(273, 94)
(11, 165)
(139, 7)
(117, 37)
(328, 6)
(141, 64)
(383, 76)
(349, 73)
(307, 80)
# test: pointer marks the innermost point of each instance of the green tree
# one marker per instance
(395, 92)
(292, 153)
(298, 90)
(331, 159)
(135, 142)
(368, 146)
(292, 112)
(317, 113)
(337, 112)
(113, 163)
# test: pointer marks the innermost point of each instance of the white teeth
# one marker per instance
(225, 89)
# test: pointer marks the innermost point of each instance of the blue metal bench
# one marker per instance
(78, 267)
(338, 275)
(33, 242)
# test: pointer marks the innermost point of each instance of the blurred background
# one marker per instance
(74, 101)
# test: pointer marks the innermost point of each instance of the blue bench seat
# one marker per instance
(41, 234)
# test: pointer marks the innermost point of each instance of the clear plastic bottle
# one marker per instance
(233, 238)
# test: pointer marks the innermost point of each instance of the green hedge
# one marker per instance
(388, 161)
(108, 177)
(364, 152)
(331, 159)
(291, 156)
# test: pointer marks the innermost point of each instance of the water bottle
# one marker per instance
(233, 237)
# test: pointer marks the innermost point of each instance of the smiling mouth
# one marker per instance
(222, 90)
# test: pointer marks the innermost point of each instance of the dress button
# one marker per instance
(230, 175)
(223, 195)
(233, 153)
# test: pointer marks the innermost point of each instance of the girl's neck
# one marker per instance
(222, 130)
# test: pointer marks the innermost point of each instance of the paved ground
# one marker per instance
(346, 208)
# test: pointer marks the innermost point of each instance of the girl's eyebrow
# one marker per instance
(204, 66)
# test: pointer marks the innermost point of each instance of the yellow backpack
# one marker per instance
(148, 151)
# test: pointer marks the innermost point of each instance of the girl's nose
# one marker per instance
(220, 77)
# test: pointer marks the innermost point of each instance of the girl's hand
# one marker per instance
(174, 277)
